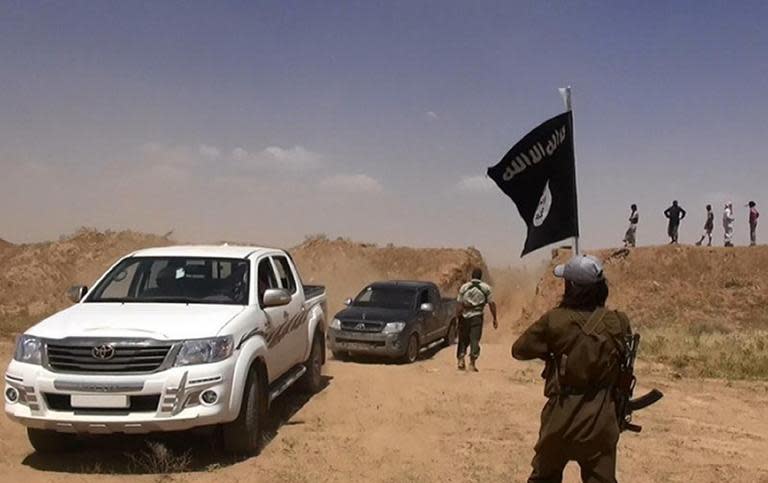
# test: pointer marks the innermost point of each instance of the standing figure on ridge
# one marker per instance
(753, 216)
(709, 225)
(675, 214)
(630, 237)
(728, 220)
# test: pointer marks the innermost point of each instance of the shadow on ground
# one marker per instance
(157, 453)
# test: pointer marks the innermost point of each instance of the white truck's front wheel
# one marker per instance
(243, 436)
(46, 441)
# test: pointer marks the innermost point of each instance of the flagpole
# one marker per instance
(565, 92)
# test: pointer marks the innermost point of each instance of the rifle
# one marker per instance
(625, 405)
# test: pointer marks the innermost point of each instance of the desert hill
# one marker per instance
(700, 309)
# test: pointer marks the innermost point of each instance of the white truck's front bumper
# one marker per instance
(164, 401)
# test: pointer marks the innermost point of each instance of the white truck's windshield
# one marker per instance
(175, 280)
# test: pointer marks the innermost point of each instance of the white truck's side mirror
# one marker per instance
(77, 293)
(275, 297)
(348, 302)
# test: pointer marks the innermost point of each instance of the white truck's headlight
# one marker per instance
(336, 324)
(28, 349)
(393, 327)
(204, 351)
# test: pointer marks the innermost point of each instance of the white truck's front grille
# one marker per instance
(106, 357)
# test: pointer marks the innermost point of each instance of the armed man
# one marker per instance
(589, 354)
(472, 299)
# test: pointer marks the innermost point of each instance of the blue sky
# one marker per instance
(266, 121)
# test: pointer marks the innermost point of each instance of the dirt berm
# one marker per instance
(34, 277)
(345, 267)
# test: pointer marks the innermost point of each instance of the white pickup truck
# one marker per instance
(170, 339)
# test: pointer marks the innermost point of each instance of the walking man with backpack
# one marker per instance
(472, 299)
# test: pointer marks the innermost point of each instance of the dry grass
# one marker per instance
(707, 350)
(700, 310)
(158, 459)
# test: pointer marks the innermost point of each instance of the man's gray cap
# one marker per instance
(581, 269)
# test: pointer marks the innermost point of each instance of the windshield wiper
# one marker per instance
(172, 300)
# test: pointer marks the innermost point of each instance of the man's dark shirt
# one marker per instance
(675, 214)
(710, 224)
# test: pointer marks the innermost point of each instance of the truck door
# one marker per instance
(427, 318)
(278, 357)
(438, 316)
(297, 336)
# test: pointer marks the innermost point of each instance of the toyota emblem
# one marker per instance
(360, 326)
(103, 352)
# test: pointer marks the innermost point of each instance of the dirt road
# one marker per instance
(428, 422)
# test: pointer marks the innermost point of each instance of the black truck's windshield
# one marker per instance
(386, 297)
(175, 280)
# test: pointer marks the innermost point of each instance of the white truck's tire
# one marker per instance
(46, 441)
(243, 436)
(312, 380)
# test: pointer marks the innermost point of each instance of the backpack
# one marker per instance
(596, 354)
(478, 285)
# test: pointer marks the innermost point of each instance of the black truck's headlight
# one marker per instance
(393, 327)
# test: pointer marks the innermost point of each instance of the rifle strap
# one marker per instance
(591, 326)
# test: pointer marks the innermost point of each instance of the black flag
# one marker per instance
(539, 174)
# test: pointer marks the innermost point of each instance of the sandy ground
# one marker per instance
(429, 422)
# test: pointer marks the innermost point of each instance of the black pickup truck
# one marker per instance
(395, 319)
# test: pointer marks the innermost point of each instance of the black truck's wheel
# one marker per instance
(46, 441)
(243, 436)
(412, 351)
(312, 380)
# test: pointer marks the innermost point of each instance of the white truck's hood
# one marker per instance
(156, 321)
